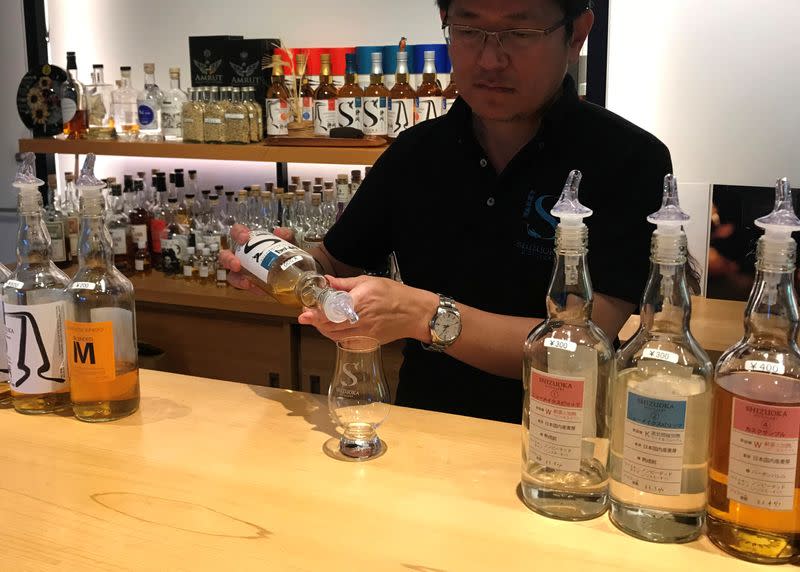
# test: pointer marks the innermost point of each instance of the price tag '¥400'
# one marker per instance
(764, 366)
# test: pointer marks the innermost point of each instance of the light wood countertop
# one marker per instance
(221, 476)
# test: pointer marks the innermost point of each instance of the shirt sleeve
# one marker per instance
(619, 235)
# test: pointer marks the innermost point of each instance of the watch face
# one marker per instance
(447, 326)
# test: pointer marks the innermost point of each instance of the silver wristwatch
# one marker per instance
(445, 325)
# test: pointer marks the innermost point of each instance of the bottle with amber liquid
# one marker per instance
(278, 109)
(325, 100)
(754, 483)
(74, 111)
(102, 362)
(305, 91)
(429, 95)
(376, 100)
(401, 100)
(350, 96)
(450, 94)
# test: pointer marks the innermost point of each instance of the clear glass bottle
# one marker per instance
(35, 308)
(56, 223)
(214, 118)
(190, 265)
(5, 388)
(252, 117)
(69, 206)
(568, 364)
(172, 107)
(119, 230)
(401, 100)
(102, 363)
(192, 118)
(289, 275)
(259, 132)
(328, 206)
(221, 273)
(237, 125)
(315, 234)
(98, 101)
(148, 107)
(429, 95)
(300, 215)
(661, 400)
(279, 112)
(207, 269)
(754, 483)
(124, 107)
(342, 193)
(376, 100)
(216, 232)
(325, 100)
(349, 99)
(74, 113)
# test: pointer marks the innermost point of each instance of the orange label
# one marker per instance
(90, 352)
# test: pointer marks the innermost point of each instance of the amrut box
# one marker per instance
(208, 57)
(247, 61)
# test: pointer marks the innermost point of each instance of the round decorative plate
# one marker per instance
(38, 100)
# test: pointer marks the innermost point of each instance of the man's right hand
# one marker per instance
(240, 235)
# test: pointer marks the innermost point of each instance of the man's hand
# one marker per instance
(387, 311)
(240, 235)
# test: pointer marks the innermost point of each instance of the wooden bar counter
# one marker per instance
(211, 475)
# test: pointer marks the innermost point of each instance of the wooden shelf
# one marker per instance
(254, 152)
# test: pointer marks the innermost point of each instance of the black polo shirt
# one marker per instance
(486, 239)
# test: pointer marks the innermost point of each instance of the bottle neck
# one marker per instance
(33, 240)
(125, 81)
(149, 80)
(667, 304)
(771, 315)
(175, 82)
(97, 76)
(570, 296)
(95, 246)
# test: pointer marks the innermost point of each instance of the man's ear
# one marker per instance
(581, 26)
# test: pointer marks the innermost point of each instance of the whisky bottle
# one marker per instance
(207, 270)
(289, 275)
(174, 241)
(325, 100)
(138, 214)
(315, 234)
(355, 182)
(158, 219)
(342, 194)
(102, 362)
(119, 230)
(450, 94)
(237, 125)
(35, 308)
(401, 100)
(214, 118)
(5, 389)
(56, 224)
(192, 117)
(661, 400)
(124, 108)
(568, 365)
(278, 109)
(74, 113)
(172, 107)
(221, 273)
(754, 483)
(305, 91)
(328, 206)
(181, 211)
(349, 98)
(429, 95)
(148, 107)
(141, 260)
(98, 104)
(69, 206)
(376, 100)
(190, 265)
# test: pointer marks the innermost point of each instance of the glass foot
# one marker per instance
(336, 448)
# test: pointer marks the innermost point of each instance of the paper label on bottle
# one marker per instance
(212, 239)
(343, 193)
(324, 116)
(400, 116)
(308, 109)
(58, 244)
(373, 117)
(278, 117)
(764, 366)
(68, 109)
(661, 355)
(138, 265)
(82, 286)
(156, 227)
(222, 275)
(139, 232)
(239, 116)
(73, 229)
(172, 117)
(448, 105)
(90, 352)
(556, 421)
(3, 353)
(35, 345)
(653, 444)
(147, 115)
(559, 344)
(14, 284)
(213, 120)
(348, 112)
(188, 270)
(291, 262)
(762, 468)
(429, 108)
(119, 239)
(203, 272)
(259, 254)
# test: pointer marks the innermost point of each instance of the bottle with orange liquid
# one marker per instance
(101, 350)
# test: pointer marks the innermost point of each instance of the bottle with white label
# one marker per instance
(430, 102)
(102, 356)
(120, 229)
(376, 100)
(148, 107)
(402, 98)
(661, 400)
(279, 112)
(289, 275)
(35, 308)
(5, 390)
(567, 368)
(325, 100)
(754, 483)
(172, 107)
(350, 97)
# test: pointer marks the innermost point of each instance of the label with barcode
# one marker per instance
(764, 366)
(661, 355)
(560, 344)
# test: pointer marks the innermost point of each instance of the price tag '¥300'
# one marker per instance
(558, 344)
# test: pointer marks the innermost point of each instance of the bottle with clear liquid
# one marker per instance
(216, 232)
(661, 400)
(102, 361)
(315, 234)
(123, 107)
(5, 389)
(290, 276)
(754, 482)
(568, 364)
(172, 107)
(35, 308)
(148, 107)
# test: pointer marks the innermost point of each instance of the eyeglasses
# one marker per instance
(514, 40)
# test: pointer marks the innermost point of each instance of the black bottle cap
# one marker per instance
(179, 179)
(116, 190)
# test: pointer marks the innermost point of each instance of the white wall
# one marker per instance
(717, 80)
(14, 66)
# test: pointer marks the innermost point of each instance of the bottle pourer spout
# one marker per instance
(26, 173)
(782, 221)
(568, 208)
(670, 217)
(87, 181)
(338, 307)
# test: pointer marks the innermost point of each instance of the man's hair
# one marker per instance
(571, 8)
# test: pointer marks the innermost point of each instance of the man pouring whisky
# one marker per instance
(464, 202)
